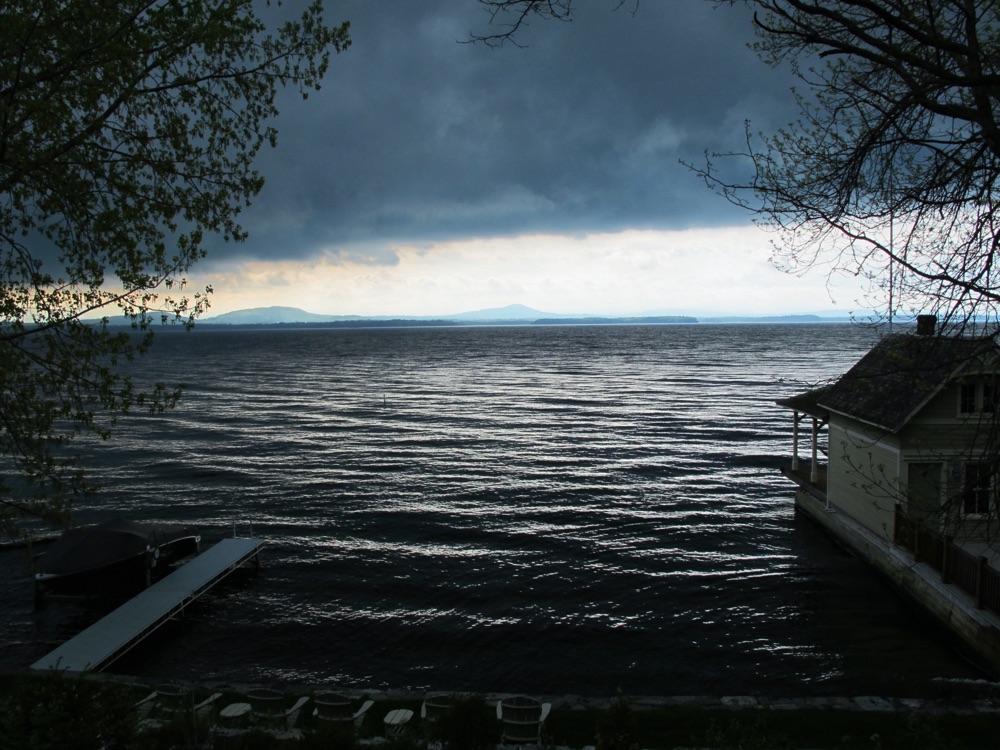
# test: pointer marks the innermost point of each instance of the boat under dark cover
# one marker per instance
(115, 554)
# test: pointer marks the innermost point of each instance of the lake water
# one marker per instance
(544, 510)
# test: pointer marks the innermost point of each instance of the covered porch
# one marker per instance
(808, 421)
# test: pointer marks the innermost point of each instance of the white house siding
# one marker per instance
(863, 471)
(938, 433)
(938, 427)
(934, 440)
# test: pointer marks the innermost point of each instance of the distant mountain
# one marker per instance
(290, 315)
(274, 315)
(510, 312)
(772, 319)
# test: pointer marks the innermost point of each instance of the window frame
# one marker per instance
(979, 499)
(977, 396)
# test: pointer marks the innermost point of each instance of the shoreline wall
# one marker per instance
(978, 629)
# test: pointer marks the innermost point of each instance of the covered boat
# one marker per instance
(113, 555)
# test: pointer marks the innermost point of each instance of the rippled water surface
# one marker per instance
(527, 509)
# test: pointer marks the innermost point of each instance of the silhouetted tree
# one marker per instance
(888, 172)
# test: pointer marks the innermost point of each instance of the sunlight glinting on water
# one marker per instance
(452, 506)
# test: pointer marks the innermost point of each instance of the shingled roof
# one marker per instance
(895, 379)
(808, 402)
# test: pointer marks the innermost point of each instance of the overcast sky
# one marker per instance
(430, 176)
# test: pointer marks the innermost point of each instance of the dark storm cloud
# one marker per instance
(417, 137)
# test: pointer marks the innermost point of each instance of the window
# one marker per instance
(977, 396)
(967, 398)
(977, 489)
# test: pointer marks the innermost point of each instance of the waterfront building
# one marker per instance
(902, 468)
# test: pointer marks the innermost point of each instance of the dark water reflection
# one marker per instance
(546, 510)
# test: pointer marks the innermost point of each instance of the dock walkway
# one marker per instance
(117, 632)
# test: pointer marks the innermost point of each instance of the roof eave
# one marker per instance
(887, 428)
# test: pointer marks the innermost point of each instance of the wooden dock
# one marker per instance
(110, 637)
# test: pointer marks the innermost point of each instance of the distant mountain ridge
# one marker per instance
(497, 315)
(508, 314)
(274, 315)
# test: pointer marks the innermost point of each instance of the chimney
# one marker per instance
(926, 325)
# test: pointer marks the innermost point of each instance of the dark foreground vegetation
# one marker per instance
(53, 711)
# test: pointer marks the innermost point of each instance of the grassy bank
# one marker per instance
(43, 711)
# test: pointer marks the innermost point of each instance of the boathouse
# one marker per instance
(901, 467)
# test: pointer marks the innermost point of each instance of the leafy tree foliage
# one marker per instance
(128, 131)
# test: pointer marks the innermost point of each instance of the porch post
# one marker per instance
(814, 470)
(795, 442)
